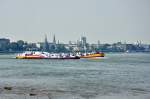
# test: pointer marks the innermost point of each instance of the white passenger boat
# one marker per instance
(46, 55)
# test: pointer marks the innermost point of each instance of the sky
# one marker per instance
(106, 20)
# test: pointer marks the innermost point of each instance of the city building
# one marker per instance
(4, 44)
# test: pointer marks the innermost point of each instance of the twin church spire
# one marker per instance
(47, 45)
(54, 39)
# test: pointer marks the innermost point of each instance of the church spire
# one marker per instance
(46, 46)
(46, 38)
(54, 39)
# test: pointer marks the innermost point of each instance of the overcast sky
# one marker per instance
(105, 20)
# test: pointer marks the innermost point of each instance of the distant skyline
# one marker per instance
(106, 20)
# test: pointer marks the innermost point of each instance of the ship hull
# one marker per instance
(93, 55)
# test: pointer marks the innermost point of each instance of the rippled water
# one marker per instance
(116, 74)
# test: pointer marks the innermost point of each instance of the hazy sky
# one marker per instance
(104, 20)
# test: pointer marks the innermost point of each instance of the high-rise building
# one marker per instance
(83, 40)
(98, 44)
(4, 44)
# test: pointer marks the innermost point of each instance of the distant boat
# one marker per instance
(46, 55)
(96, 54)
(92, 55)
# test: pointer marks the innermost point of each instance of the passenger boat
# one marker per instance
(46, 55)
(92, 55)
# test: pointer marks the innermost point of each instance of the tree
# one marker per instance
(14, 46)
(20, 45)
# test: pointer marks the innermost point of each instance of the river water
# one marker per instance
(118, 75)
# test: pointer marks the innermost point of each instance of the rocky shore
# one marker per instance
(8, 92)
